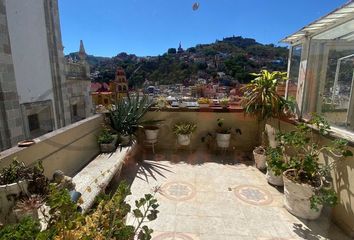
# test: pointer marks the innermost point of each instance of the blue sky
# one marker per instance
(150, 27)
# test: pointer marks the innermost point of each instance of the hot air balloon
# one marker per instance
(195, 6)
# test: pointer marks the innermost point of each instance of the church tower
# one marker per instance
(83, 58)
(120, 83)
(180, 49)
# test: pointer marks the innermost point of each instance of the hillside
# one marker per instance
(235, 56)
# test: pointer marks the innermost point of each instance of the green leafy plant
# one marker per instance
(18, 171)
(15, 172)
(275, 160)
(26, 229)
(303, 151)
(126, 116)
(261, 97)
(106, 221)
(184, 128)
(221, 128)
(105, 136)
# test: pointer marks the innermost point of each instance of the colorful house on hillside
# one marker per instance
(105, 94)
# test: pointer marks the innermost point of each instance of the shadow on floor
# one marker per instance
(319, 228)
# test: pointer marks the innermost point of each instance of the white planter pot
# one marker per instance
(273, 179)
(183, 139)
(8, 194)
(259, 159)
(297, 199)
(223, 140)
(151, 135)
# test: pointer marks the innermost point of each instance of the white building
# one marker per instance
(40, 91)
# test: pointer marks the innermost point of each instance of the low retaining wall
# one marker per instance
(207, 122)
(343, 177)
(69, 148)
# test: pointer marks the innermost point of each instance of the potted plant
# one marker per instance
(28, 207)
(259, 155)
(203, 102)
(151, 129)
(126, 117)
(262, 100)
(17, 180)
(183, 131)
(276, 165)
(224, 102)
(306, 181)
(107, 141)
(223, 134)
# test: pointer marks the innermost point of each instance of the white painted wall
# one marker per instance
(27, 29)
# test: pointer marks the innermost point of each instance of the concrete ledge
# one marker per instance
(94, 178)
(69, 148)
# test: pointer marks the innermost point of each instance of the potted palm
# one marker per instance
(262, 100)
(183, 131)
(307, 185)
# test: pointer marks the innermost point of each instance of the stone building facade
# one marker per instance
(39, 90)
(10, 119)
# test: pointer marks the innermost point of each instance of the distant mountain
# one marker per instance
(233, 58)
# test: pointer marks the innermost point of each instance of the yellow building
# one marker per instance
(116, 89)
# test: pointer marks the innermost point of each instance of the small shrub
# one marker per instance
(184, 128)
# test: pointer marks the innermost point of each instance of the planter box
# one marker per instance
(109, 147)
(297, 199)
(8, 195)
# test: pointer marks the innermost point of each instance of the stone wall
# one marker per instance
(11, 129)
(207, 122)
(69, 148)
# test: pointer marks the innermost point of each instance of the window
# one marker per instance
(330, 76)
(33, 122)
(74, 109)
(294, 70)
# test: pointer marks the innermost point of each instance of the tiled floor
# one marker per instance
(218, 197)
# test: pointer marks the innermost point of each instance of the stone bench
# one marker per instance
(94, 177)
